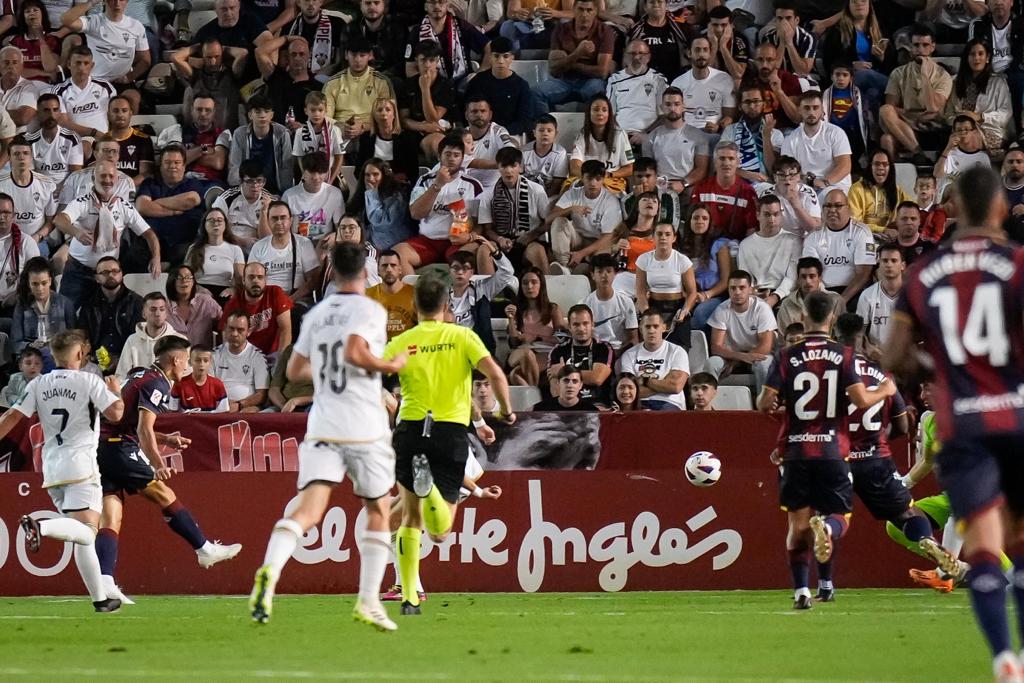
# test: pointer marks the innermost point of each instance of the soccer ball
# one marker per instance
(703, 469)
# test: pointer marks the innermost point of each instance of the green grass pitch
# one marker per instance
(866, 635)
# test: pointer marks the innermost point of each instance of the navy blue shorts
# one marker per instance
(124, 468)
(823, 485)
(981, 472)
(876, 482)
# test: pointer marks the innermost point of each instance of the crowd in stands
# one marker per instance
(631, 198)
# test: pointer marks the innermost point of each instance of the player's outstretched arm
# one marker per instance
(863, 399)
(10, 419)
(357, 353)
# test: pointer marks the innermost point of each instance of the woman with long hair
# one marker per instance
(665, 282)
(630, 241)
(384, 141)
(193, 312)
(40, 312)
(857, 39)
(381, 202)
(982, 95)
(873, 199)
(626, 393)
(350, 230)
(603, 140)
(215, 257)
(712, 262)
(533, 321)
(40, 48)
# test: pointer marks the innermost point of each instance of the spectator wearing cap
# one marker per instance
(324, 33)
(352, 92)
(580, 57)
(456, 37)
(742, 332)
(507, 92)
(288, 85)
(265, 142)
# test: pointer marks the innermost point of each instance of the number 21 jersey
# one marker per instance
(811, 378)
(348, 406)
(966, 302)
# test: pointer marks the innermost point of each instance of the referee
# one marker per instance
(431, 444)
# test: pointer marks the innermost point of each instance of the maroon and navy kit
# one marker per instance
(875, 479)
(966, 302)
(811, 378)
(123, 466)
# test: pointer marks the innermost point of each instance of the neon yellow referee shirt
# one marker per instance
(439, 374)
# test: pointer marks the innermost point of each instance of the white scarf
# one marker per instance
(320, 50)
(105, 236)
(457, 57)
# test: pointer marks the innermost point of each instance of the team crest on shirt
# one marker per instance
(156, 397)
(131, 149)
(126, 36)
(245, 369)
(712, 95)
(648, 89)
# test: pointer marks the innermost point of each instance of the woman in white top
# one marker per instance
(665, 282)
(603, 140)
(215, 256)
(349, 230)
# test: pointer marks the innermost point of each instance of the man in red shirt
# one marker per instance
(731, 200)
(779, 88)
(268, 308)
(201, 391)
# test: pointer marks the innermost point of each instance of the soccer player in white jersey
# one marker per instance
(68, 403)
(339, 349)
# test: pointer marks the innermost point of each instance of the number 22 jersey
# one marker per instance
(348, 406)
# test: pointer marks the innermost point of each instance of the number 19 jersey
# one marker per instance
(966, 302)
(69, 403)
(348, 406)
(811, 378)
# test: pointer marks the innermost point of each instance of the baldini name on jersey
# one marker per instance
(816, 354)
(862, 368)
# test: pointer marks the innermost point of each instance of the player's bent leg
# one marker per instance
(179, 519)
(982, 543)
(407, 547)
(373, 544)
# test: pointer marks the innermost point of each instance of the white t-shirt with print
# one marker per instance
(544, 169)
(438, 222)
(841, 251)
(243, 374)
(612, 318)
(656, 365)
(219, 264)
(705, 99)
(113, 44)
(279, 261)
(33, 203)
(876, 307)
(605, 211)
(486, 148)
(742, 327)
(615, 155)
(320, 211)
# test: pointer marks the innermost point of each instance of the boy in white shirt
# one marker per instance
(582, 220)
(614, 312)
(316, 205)
(544, 160)
(320, 134)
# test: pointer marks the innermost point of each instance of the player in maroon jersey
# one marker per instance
(965, 304)
(130, 462)
(875, 479)
(816, 380)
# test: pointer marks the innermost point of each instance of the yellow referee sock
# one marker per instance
(437, 516)
(408, 546)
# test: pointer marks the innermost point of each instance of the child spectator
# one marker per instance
(845, 109)
(615, 320)
(201, 391)
(933, 216)
(703, 389)
(544, 160)
(30, 366)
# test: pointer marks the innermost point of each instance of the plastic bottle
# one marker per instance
(538, 21)
(289, 118)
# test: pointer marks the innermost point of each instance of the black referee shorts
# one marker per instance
(447, 449)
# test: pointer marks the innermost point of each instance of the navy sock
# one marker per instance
(988, 597)
(917, 527)
(106, 550)
(1018, 589)
(799, 566)
(180, 520)
(838, 524)
(825, 569)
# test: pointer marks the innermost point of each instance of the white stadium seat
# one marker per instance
(570, 124)
(567, 290)
(733, 398)
(534, 72)
(159, 122)
(523, 398)
(906, 177)
(142, 283)
(698, 355)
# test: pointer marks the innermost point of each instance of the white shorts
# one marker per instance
(474, 471)
(371, 466)
(83, 495)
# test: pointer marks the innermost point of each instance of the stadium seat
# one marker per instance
(698, 355)
(411, 279)
(569, 126)
(567, 290)
(159, 122)
(533, 72)
(906, 177)
(524, 398)
(199, 18)
(142, 283)
(499, 326)
(211, 196)
(348, 175)
(733, 398)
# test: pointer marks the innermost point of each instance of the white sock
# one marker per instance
(394, 558)
(801, 591)
(825, 585)
(419, 584)
(283, 541)
(89, 567)
(67, 529)
(951, 538)
(373, 560)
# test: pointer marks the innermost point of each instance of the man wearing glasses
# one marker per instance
(246, 205)
(801, 211)
(756, 136)
(846, 249)
(110, 315)
(636, 91)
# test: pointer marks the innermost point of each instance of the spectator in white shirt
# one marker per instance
(742, 333)
(512, 212)
(614, 312)
(707, 92)
(770, 255)
(488, 139)
(635, 92)
(845, 248)
(316, 206)
(878, 301)
(661, 367)
(602, 139)
(84, 99)
(290, 259)
(822, 148)
(21, 249)
(582, 220)
(17, 93)
(246, 205)
(241, 367)
(682, 152)
(666, 281)
(215, 257)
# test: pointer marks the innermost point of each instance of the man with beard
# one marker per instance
(110, 315)
(1013, 186)
(105, 148)
(707, 92)
(822, 148)
(216, 71)
(488, 138)
(136, 157)
(56, 151)
(92, 238)
(287, 86)
(19, 250)
(779, 88)
(206, 145)
(635, 91)
(908, 232)
(755, 134)
(680, 151)
(386, 35)
(393, 294)
(268, 307)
